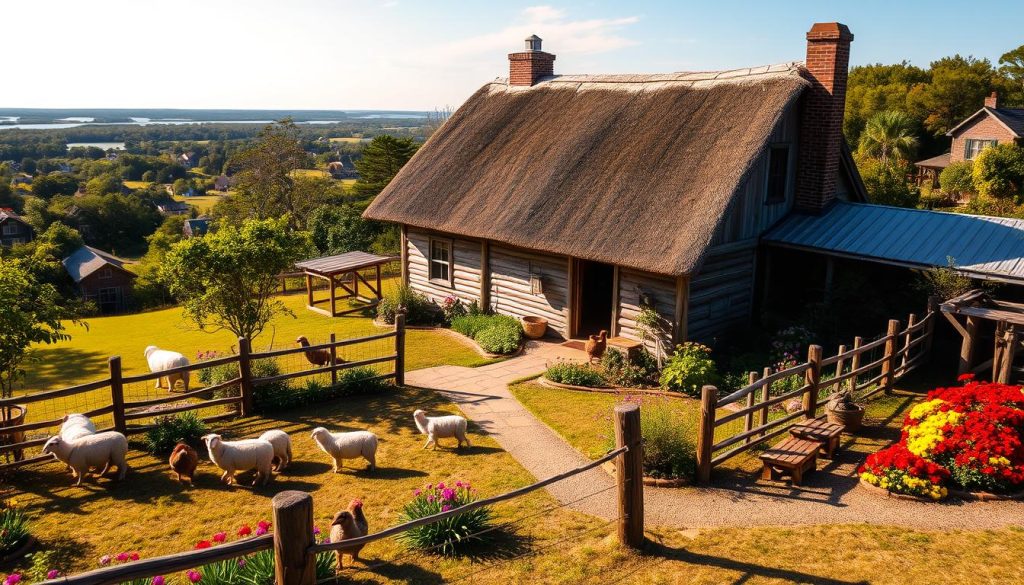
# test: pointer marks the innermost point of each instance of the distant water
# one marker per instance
(75, 122)
(103, 145)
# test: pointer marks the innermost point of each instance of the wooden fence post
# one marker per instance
(812, 378)
(766, 393)
(400, 348)
(245, 376)
(334, 361)
(840, 363)
(929, 329)
(748, 421)
(117, 393)
(293, 535)
(706, 432)
(889, 358)
(1008, 354)
(967, 347)
(855, 363)
(630, 475)
(911, 321)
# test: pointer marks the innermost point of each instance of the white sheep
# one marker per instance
(232, 456)
(282, 447)
(341, 446)
(162, 359)
(441, 427)
(75, 426)
(100, 450)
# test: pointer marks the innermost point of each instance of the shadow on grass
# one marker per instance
(57, 365)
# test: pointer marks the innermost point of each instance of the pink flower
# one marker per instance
(134, 556)
(316, 530)
(448, 495)
(122, 557)
(458, 484)
(52, 574)
(220, 537)
(194, 576)
(263, 524)
(260, 531)
(430, 499)
(203, 544)
(105, 560)
(416, 492)
(446, 507)
(12, 579)
(241, 562)
(440, 486)
(158, 580)
(244, 530)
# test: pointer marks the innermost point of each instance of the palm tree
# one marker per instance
(889, 134)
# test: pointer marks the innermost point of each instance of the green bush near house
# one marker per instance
(184, 426)
(418, 308)
(575, 375)
(958, 177)
(637, 372)
(499, 334)
(669, 448)
(689, 369)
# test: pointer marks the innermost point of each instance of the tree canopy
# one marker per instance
(264, 182)
(889, 135)
(382, 158)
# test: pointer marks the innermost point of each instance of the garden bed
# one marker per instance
(19, 552)
(884, 493)
(543, 381)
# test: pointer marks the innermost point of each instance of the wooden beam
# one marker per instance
(405, 254)
(967, 347)
(681, 315)
(614, 329)
(485, 275)
(309, 291)
(956, 324)
(570, 309)
(333, 298)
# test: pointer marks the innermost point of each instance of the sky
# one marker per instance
(423, 55)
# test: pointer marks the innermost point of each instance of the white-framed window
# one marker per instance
(974, 146)
(106, 272)
(441, 260)
(11, 228)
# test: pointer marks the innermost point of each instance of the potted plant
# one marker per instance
(841, 409)
(534, 327)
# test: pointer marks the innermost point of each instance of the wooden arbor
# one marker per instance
(343, 272)
(976, 307)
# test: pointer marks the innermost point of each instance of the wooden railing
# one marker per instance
(124, 412)
(295, 549)
(761, 406)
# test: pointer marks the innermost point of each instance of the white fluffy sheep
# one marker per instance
(100, 450)
(441, 427)
(162, 359)
(341, 446)
(232, 456)
(76, 426)
(282, 447)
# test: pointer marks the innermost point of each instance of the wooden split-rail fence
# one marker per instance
(762, 410)
(126, 412)
(295, 549)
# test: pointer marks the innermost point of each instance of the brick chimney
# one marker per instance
(992, 101)
(823, 104)
(527, 67)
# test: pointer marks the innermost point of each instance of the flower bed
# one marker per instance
(968, 438)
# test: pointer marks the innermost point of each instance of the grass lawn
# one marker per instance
(315, 173)
(201, 202)
(350, 139)
(137, 184)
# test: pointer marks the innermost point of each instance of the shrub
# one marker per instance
(999, 171)
(669, 450)
(419, 310)
(886, 182)
(499, 334)
(183, 426)
(13, 526)
(269, 396)
(958, 177)
(574, 374)
(640, 371)
(689, 368)
(279, 396)
(451, 308)
(451, 536)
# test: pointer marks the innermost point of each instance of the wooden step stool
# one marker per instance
(822, 431)
(793, 456)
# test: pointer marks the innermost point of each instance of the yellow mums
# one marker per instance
(925, 408)
(921, 439)
(909, 484)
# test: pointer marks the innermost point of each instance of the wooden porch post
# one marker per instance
(570, 310)
(614, 329)
(681, 317)
(967, 347)
(334, 312)
(485, 275)
(405, 254)
(309, 290)
(706, 433)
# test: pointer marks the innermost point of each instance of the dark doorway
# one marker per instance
(595, 296)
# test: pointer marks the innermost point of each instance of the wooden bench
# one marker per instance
(793, 456)
(630, 348)
(822, 431)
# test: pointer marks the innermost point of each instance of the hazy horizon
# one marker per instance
(403, 55)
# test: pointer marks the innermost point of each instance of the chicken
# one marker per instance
(356, 507)
(596, 345)
(184, 460)
(344, 527)
(317, 357)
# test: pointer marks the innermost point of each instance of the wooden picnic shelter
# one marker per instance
(977, 307)
(344, 272)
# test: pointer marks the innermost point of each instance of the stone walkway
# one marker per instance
(830, 496)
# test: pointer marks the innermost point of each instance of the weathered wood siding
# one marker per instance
(465, 266)
(722, 293)
(662, 290)
(749, 216)
(510, 286)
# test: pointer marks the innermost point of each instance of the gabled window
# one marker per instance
(106, 273)
(441, 261)
(974, 146)
(11, 228)
(778, 174)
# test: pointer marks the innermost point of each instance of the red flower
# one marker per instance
(244, 530)
(220, 537)
(965, 377)
(263, 524)
(203, 544)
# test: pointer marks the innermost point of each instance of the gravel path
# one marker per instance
(829, 495)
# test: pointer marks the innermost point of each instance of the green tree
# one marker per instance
(119, 223)
(889, 135)
(886, 183)
(1011, 65)
(150, 288)
(30, 313)
(227, 279)
(382, 158)
(999, 171)
(339, 229)
(958, 178)
(876, 88)
(28, 165)
(264, 182)
(957, 89)
(181, 186)
(103, 185)
(47, 186)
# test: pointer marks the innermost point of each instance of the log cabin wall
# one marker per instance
(661, 289)
(465, 267)
(722, 293)
(510, 286)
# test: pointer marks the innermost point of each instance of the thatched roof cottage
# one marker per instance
(579, 198)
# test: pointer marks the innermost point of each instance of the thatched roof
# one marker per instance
(636, 170)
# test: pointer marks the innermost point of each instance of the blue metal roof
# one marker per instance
(980, 246)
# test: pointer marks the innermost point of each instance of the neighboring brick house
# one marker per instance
(14, 229)
(101, 278)
(988, 126)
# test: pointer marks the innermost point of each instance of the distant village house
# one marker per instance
(13, 228)
(102, 278)
(173, 208)
(195, 227)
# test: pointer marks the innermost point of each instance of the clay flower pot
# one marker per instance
(534, 327)
(850, 419)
